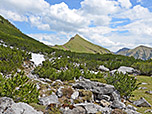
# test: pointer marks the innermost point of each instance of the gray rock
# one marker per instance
(18, 70)
(118, 104)
(95, 87)
(142, 103)
(104, 103)
(131, 107)
(52, 99)
(77, 110)
(21, 108)
(149, 92)
(59, 91)
(148, 110)
(8, 106)
(59, 82)
(131, 111)
(75, 95)
(125, 70)
(143, 83)
(103, 68)
(105, 97)
(115, 96)
(142, 88)
(94, 108)
(90, 107)
(5, 102)
(113, 71)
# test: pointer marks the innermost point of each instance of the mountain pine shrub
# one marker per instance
(19, 88)
(123, 83)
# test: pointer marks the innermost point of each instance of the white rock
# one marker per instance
(75, 95)
(103, 68)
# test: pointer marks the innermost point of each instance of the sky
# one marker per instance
(113, 24)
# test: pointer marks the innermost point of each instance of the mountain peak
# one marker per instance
(81, 45)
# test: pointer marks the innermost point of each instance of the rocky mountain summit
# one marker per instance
(140, 52)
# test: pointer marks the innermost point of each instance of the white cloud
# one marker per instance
(52, 39)
(136, 13)
(125, 3)
(67, 22)
(13, 15)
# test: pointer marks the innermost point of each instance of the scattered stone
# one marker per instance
(113, 71)
(21, 108)
(18, 70)
(142, 88)
(103, 68)
(48, 80)
(141, 103)
(37, 86)
(57, 82)
(8, 106)
(59, 91)
(115, 96)
(49, 100)
(148, 110)
(105, 97)
(5, 102)
(125, 70)
(75, 95)
(131, 107)
(77, 110)
(90, 107)
(143, 83)
(129, 111)
(118, 104)
(149, 92)
(104, 103)
(118, 111)
(95, 87)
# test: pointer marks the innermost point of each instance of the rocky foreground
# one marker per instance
(81, 96)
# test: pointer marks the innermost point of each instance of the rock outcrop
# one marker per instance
(52, 99)
(8, 106)
(142, 103)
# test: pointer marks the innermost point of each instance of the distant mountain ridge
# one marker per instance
(80, 45)
(140, 52)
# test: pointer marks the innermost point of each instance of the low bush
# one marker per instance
(123, 83)
(19, 88)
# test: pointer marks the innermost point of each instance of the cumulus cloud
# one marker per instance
(136, 13)
(125, 3)
(13, 15)
(98, 13)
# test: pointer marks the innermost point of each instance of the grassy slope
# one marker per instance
(78, 44)
(141, 93)
(14, 37)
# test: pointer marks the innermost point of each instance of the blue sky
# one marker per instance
(113, 24)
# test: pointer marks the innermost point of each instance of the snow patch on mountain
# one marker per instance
(37, 58)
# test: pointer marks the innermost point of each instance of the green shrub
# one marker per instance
(19, 88)
(123, 83)
(144, 67)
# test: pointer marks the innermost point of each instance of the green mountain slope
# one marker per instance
(140, 52)
(80, 45)
(12, 36)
